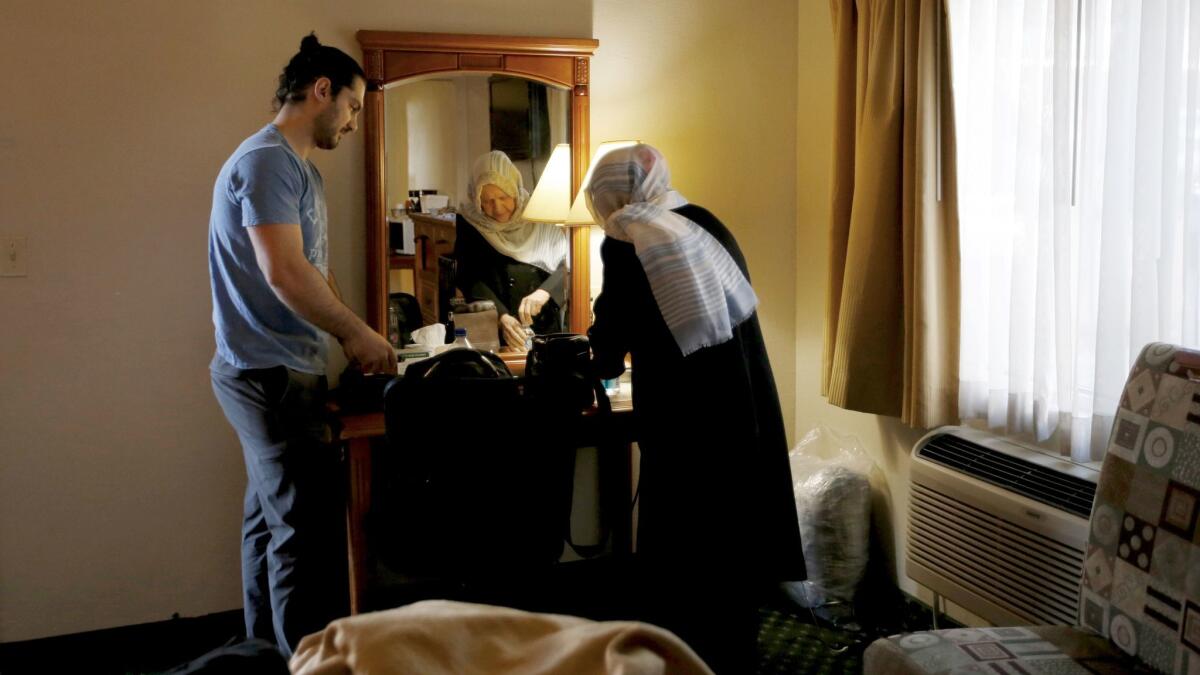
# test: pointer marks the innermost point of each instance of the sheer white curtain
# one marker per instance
(1078, 125)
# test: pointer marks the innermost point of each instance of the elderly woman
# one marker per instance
(717, 520)
(519, 265)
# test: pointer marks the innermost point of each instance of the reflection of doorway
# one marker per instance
(520, 121)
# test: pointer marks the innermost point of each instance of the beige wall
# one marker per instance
(120, 482)
(711, 84)
(395, 146)
(431, 107)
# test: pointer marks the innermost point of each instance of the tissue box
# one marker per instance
(483, 328)
(407, 355)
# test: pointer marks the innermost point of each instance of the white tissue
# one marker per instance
(430, 336)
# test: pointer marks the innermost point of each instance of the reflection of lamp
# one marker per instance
(579, 214)
(551, 198)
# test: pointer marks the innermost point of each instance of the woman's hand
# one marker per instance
(514, 334)
(531, 306)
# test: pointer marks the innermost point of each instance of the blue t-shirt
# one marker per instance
(264, 182)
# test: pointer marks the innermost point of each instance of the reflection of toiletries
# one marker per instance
(393, 325)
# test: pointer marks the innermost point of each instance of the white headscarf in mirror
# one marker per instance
(698, 287)
(539, 244)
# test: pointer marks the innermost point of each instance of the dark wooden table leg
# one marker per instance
(358, 500)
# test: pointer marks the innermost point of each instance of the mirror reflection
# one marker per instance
(462, 153)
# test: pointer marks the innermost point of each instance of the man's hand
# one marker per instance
(514, 334)
(531, 306)
(370, 352)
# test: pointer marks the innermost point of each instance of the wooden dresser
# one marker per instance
(434, 238)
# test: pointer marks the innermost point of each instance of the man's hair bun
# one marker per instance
(310, 42)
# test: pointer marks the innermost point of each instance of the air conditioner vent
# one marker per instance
(1054, 488)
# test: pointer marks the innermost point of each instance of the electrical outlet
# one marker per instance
(13, 255)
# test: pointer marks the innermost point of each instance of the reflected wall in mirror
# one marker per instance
(435, 104)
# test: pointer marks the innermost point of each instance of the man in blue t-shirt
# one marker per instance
(273, 310)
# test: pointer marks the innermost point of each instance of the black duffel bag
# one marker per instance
(469, 482)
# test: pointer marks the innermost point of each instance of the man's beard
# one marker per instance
(325, 134)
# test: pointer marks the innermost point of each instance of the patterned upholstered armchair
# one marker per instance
(1139, 607)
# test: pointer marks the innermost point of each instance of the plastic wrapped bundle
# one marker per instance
(833, 503)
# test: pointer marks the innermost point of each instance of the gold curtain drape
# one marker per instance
(892, 310)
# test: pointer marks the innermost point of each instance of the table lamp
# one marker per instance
(551, 198)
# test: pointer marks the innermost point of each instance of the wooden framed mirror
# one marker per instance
(392, 59)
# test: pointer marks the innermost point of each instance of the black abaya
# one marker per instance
(717, 520)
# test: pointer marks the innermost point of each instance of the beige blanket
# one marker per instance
(439, 636)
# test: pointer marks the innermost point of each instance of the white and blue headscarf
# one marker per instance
(699, 289)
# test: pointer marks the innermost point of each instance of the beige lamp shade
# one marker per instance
(579, 214)
(551, 198)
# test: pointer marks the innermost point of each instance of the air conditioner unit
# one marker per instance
(999, 527)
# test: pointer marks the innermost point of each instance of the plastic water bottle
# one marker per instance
(460, 339)
(612, 386)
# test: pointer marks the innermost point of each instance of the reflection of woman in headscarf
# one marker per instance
(519, 265)
(715, 484)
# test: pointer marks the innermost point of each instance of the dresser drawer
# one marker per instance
(427, 298)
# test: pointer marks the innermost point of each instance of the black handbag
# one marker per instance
(561, 383)
(558, 371)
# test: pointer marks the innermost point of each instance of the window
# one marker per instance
(1078, 127)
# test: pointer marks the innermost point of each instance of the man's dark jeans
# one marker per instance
(293, 555)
